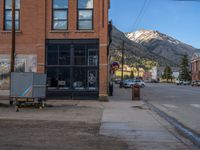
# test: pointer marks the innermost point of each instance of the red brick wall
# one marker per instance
(35, 20)
(196, 70)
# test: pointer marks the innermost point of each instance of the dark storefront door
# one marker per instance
(72, 69)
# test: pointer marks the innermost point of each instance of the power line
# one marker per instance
(144, 12)
(140, 13)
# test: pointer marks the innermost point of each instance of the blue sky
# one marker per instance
(180, 20)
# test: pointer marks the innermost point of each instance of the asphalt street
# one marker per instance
(180, 102)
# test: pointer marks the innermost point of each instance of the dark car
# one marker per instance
(195, 83)
(154, 81)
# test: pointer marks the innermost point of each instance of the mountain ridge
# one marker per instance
(134, 51)
(162, 44)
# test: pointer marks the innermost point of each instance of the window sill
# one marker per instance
(84, 31)
(59, 31)
(4, 31)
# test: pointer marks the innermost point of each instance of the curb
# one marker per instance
(185, 131)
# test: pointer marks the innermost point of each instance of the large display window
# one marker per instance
(72, 65)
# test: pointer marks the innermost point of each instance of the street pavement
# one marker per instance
(180, 102)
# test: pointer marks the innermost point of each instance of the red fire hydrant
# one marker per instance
(136, 92)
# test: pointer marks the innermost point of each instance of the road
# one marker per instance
(180, 102)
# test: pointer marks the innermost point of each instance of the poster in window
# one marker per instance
(23, 63)
(92, 79)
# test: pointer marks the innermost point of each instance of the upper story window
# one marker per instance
(8, 14)
(60, 15)
(85, 14)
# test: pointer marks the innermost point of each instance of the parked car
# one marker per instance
(178, 82)
(131, 82)
(117, 81)
(186, 82)
(141, 83)
(154, 81)
(182, 82)
(128, 83)
(195, 83)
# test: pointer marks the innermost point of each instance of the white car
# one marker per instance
(141, 83)
(181, 82)
(131, 82)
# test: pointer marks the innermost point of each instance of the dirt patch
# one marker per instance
(55, 135)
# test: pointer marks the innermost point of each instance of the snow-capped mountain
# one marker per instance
(161, 44)
(133, 50)
(146, 35)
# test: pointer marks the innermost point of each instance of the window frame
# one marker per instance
(85, 9)
(16, 20)
(63, 20)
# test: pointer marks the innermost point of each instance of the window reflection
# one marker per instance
(79, 78)
(60, 4)
(80, 55)
(85, 14)
(8, 14)
(60, 14)
(85, 4)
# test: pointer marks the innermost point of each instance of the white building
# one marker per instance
(157, 72)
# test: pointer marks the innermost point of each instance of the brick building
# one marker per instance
(196, 66)
(67, 39)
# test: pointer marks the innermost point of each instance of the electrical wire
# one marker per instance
(140, 13)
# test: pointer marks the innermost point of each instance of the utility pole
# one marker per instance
(12, 56)
(122, 62)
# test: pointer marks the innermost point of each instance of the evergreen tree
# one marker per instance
(167, 73)
(184, 69)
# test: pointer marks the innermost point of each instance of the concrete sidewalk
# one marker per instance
(140, 127)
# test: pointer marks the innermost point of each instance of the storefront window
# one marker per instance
(80, 55)
(72, 66)
(64, 55)
(79, 79)
(92, 79)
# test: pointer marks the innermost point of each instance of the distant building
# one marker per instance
(196, 66)
(147, 75)
(157, 72)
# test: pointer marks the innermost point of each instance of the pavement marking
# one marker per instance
(169, 105)
(195, 105)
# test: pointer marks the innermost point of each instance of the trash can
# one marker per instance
(136, 92)
(111, 89)
(121, 84)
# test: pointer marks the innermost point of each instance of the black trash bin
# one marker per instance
(121, 84)
(111, 89)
